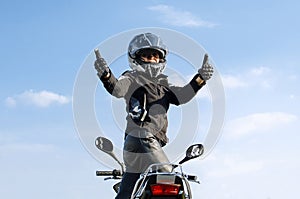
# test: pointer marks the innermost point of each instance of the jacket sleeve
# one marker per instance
(117, 87)
(182, 95)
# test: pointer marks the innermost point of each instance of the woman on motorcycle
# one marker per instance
(148, 96)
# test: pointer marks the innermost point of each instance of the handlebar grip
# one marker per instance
(114, 173)
(192, 177)
(104, 173)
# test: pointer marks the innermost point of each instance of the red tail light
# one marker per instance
(165, 189)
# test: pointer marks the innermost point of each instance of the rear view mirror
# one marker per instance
(107, 146)
(194, 151)
(104, 144)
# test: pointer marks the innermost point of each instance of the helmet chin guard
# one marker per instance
(154, 69)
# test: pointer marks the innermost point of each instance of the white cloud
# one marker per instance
(292, 96)
(259, 71)
(258, 77)
(10, 102)
(40, 99)
(231, 82)
(180, 18)
(232, 166)
(258, 122)
(293, 77)
(224, 164)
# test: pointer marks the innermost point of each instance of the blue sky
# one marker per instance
(255, 48)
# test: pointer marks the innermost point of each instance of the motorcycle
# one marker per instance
(154, 183)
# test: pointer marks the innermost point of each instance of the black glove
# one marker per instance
(101, 66)
(206, 71)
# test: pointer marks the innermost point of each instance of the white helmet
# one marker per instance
(147, 41)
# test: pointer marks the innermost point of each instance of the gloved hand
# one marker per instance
(101, 66)
(206, 71)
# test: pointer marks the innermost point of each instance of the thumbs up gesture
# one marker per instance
(206, 70)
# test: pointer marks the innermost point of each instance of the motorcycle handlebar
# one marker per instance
(114, 173)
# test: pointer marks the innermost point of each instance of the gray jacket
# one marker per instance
(148, 100)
